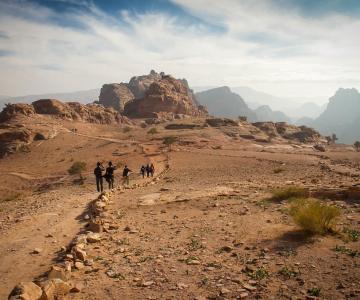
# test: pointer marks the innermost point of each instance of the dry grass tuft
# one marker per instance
(289, 192)
(314, 215)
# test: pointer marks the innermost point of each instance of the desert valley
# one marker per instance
(237, 208)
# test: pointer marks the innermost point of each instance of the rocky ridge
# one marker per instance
(21, 124)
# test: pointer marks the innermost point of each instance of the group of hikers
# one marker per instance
(147, 170)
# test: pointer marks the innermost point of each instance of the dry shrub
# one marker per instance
(287, 193)
(314, 215)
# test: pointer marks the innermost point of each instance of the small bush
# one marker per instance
(152, 131)
(126, 129)
(288, 193)
(351, 234)
(278, 170)
(77, 168)
(315, 292)
(259, 274)
(169, 140)
(288, 273)
(313, 215)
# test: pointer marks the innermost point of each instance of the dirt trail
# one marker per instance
(52, 229)
(48, 231)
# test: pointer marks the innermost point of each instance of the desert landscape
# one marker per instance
(176, 149)
(215, 222)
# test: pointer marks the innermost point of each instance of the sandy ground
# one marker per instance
(202, 231)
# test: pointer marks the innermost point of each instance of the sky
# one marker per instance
(288, 48)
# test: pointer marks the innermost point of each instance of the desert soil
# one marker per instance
(201, 230)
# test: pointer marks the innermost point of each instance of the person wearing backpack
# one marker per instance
(99, 176)
(126, 173)
(109, 175)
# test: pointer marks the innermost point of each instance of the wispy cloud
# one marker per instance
(246, 42)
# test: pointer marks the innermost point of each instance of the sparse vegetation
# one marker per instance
(278, 170)
(287, 272)
(314, 215)
(259, 274)
(152, 131)
(357, 146)
(348, 251)
(169, 140)
(351, 235)
(127, 129)
(288, 193)
(195, 244)
(315, 292)
(77, 168)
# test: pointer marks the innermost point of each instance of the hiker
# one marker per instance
(152, 170)
(148, 170)
(109, 175)
(99, 176)
(142, 171)
(126, 173)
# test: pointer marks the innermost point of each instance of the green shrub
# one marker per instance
(259, 274)
(77, 168)
(351, 234)
(288, 193)
(152, 131)
(315, 292)
(314, 215)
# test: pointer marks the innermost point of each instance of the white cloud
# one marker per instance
(263, 47)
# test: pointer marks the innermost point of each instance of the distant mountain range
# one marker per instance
(79, 96)
(341, 116)
(223, 102)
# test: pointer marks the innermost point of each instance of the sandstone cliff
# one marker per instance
(167, 95)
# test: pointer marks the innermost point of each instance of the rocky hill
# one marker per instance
(86, 96)
(265, 113)
(117, 95)
(167, 96)
(223, 102)
(342, 116)
(21, 124)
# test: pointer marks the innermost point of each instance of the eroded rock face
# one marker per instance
(301, 134)
(168, 95)
(115, 95)
(13, 139)
(140, 84)
(52, 107)
(12, 110)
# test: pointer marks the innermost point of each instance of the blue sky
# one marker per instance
(297, 48)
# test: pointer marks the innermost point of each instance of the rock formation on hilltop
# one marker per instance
(138, 85)
(165, 96)
(223, 102)
(144, 89)
(115, 95)
(342, 116)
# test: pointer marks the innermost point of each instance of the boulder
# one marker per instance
(115, 95)
(52, 107)
(26, 291)
(57, 272)
(218, 122)
(55, 289)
